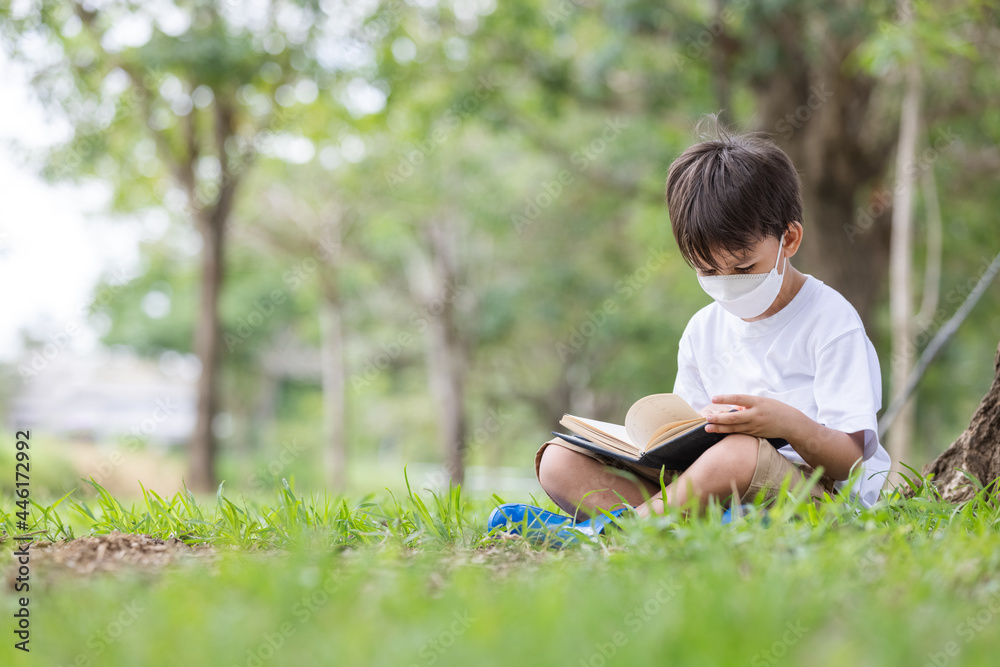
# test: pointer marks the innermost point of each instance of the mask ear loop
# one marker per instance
(781, 246)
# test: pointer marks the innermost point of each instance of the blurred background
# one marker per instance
(322, 240)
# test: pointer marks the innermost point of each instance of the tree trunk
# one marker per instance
(334, 362)
(901, 270)
(819, 115)
(334, 394)
(201, 472)
(932, 268)
(265, 411)
(445, 349)
(976, 451)
(721, 59)
(856, 270)
(211, 222)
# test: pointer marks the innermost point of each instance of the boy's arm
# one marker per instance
(818, 445)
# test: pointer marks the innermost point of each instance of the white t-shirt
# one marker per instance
(813, 354)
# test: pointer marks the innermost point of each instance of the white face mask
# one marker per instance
(746, 295)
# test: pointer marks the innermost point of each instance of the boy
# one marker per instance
(789, 352)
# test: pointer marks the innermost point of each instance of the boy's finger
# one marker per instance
(735, 399)
(727, 418)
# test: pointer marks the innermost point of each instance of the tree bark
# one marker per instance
(820, 115)
(334, 363)
(976, 451)
(201, 471)
(211, 222)
(932, 267)
(901, 269)
(721, 60)
(334, 394)
(446, 355)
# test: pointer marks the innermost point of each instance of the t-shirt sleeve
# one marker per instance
(848, 387)
(688, 384)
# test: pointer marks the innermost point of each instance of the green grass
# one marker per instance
(317, 580)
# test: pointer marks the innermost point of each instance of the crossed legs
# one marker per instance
(579, 484)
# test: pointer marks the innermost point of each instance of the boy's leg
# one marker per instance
(579, 483)
(727, 466)
(738, 464)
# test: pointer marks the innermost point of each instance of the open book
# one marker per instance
(660, 430)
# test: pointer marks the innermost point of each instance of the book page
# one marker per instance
(606, 433)
(673, 432)
(616, 431)
(650, 413)
(668, 431)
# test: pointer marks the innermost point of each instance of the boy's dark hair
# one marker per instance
(729, 192)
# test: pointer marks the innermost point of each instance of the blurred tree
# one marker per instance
(901, 285)
(290, 222)
(207, 83)
(816, 74)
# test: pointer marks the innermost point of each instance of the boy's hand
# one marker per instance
(819, 446)
(763, 417)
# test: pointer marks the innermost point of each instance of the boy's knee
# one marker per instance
(555, 468)
(736, 452)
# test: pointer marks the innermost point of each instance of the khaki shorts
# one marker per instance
(771, 471)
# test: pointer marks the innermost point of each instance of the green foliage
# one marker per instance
(442, 520)
(832, 584)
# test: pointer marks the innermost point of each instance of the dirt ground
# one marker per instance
(111, 553)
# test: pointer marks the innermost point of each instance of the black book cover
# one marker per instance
(676, 454)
